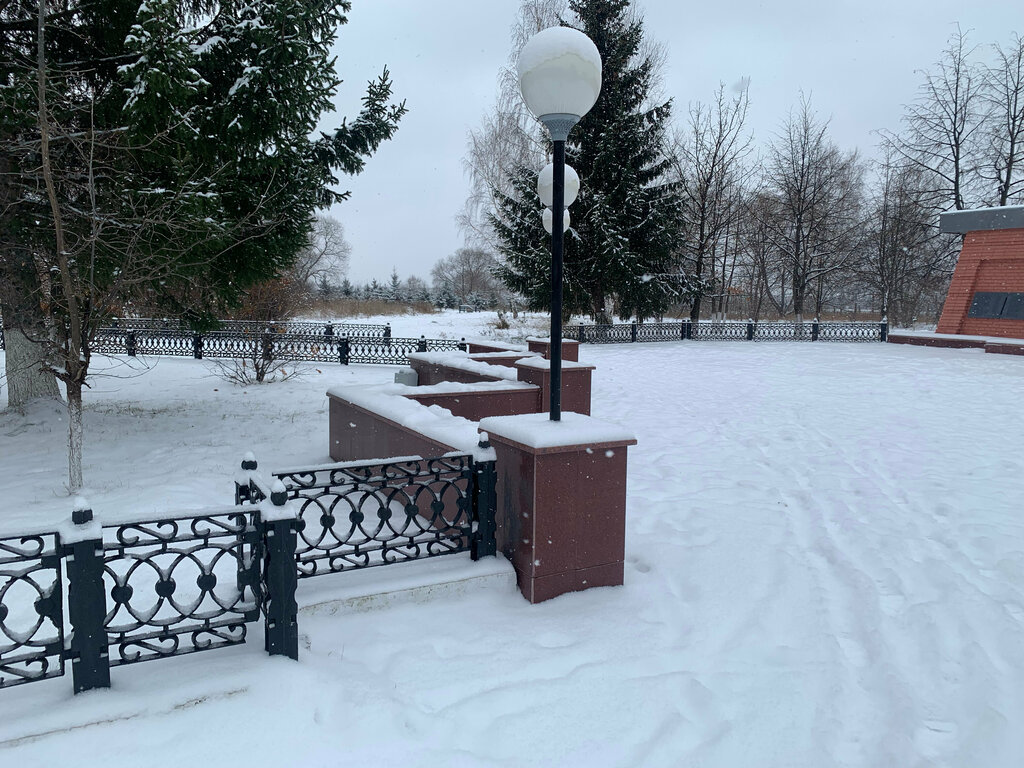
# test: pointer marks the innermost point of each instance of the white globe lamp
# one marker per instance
(549, 219)
(560, 77)
(546, 185)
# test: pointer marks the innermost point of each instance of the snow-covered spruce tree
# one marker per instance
(162, 153)
(626, 221)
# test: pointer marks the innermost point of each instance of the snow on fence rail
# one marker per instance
(624, 333)
(193, 581)
(352, 330)
(323, 343)
(171, 336)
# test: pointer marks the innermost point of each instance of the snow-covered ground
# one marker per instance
(825, 549)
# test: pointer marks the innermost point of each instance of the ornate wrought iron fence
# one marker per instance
(193, 582)
(658, 332)
(395, 351)
(180, 585)
(31, 609)
(352, 330)
(361, 516)
(259, 341)
(728, 331)
(718, 332)
(135, 592)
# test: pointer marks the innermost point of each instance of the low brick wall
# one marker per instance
(478, 346)
(1005, 348)
(935, 341)
(357, 433)
(1008, 347)
(481, 404)
(561, 486)
(507, 359)
(430, 373)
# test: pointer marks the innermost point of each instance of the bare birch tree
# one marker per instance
(904, 255)
(943, 128)
(709, 164)
(1004, 124)
(816, 189)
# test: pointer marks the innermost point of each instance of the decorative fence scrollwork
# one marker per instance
(176, 585)
(359, 517)
(31, 609)
(342, 343)
(728, 331)
(180, 585)
(396, 351)
(719, 332)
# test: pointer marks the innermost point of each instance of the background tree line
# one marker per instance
(464, 279)
(694, 216)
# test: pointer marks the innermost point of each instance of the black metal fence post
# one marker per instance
(814, 330)
(247, 575)
(485, 506)
(688, 329)
(129, 342)
(463, 345)
(421, 345)
(87, 607)
(582, 334)
(884, 329)
(750, 329)
(632, 331)
(268, 346)
(280, 577)
(243, 490)
(387, 334)
(343, 349)
(197, 346)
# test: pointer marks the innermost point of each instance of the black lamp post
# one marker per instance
(560, 79)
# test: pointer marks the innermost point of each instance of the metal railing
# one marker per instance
(685, 330)
(329, 344)
(193, 582)
(301, 341)
(378, 514)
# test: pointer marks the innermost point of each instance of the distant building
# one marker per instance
(986, 297)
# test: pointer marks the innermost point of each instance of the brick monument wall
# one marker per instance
(991, 261)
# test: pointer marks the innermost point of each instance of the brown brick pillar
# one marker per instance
(561, 507)
(575, 383)
(570, 348)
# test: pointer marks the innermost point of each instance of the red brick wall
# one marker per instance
(990, 261)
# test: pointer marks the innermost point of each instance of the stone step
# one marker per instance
(415, 581)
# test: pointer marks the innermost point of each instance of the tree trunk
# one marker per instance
(597, 304)
(26, 380)
(74, 437)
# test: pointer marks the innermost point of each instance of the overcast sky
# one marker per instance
(856, 59)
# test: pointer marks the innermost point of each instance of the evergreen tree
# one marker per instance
(163, 153)
(324, 287)
(395, 292)
(625, 222)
